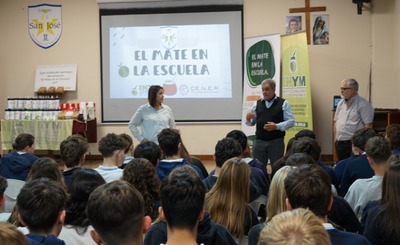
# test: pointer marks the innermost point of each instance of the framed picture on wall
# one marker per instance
(293, 24)
(320, 30)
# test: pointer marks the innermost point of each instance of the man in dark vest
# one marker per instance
(272, 116)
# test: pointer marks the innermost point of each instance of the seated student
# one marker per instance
(3, 186)
(309, 186)
(299, 226)
(381, 218)
(143, 176)
(10, 235)
(363, 190)
(392, 134)
(76, 229)
(148, 150)
(111, 148)
(193, 160)
(227, 199)
(41, 207)
(224, 150)
(17, 164)
(169, 140)
(116, 212)
(72, 154)
(182, 205)
(128, 148)
(357, 168)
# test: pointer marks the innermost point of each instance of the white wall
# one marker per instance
(358, 43)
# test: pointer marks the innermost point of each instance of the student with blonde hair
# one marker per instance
(297, 227)
(227, 200)
(276, 203)
(10, 235)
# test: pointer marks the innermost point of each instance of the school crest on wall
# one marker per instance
(45, 25)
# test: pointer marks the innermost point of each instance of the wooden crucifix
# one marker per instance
(307, 10)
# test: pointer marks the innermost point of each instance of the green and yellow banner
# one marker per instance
(296, 86)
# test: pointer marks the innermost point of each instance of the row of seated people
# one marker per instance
(227, 193)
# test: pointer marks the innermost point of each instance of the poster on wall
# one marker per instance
(293, 24)
(45, 24)
(262, 55)
(320, 29)
(296, 86)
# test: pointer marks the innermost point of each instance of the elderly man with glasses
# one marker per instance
(352, 113)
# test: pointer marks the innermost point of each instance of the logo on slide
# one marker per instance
(169, 36)
(45, 24)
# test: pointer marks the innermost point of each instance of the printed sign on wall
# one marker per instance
(44, 24)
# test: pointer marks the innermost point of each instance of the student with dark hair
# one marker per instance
(149, 150)
(152, 117)
(382, 219)
(170, 144)
(225, 149)
(111, 148)
(46, 167)
(143, 176)
(128, 148)
(41, 207)
(393, 136)
(363, 190)
(17, 164)
(72, 154)
(76, 229)
(3, 186)
(357, 168)
(309, 186)
(183, 215)
(116, 212)
(193, 160)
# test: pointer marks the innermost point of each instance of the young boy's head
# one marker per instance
(149, 150)
(111, 146)
(128, 148)
(182, 199)
(41, 206)
(73, 150)
(169, 140)
(116, 212)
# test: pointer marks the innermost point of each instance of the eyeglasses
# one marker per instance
(345, 88)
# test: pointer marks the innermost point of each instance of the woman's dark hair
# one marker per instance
(152, 96)
(83, 183)
(140, 173)
(22, 141)
(390, 210)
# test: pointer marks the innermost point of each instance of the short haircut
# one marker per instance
(40, 203)
(393, 135)
(309, 186)
(3, 186)
(305, 133)
(149, 150)
(226, 149)
(110, 143)
(10, 235)
(271, 83)
(46, 167)
(128, 141)
(307, 145)
(299, 158)
(72, 150)
(169, 140)
(22, 141)
(182, 198)
(351, 82)
(296, 227)
(152, 94)
(116, 211)
(83, 182)
(141, 173)
(378, 149)
(240, 136)
(361, 136)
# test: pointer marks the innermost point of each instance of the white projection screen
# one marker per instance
(195, 53)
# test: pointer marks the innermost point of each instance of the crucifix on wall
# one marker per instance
(307, 10)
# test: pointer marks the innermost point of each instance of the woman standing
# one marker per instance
(152, 117)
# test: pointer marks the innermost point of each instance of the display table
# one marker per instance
(48, 134)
